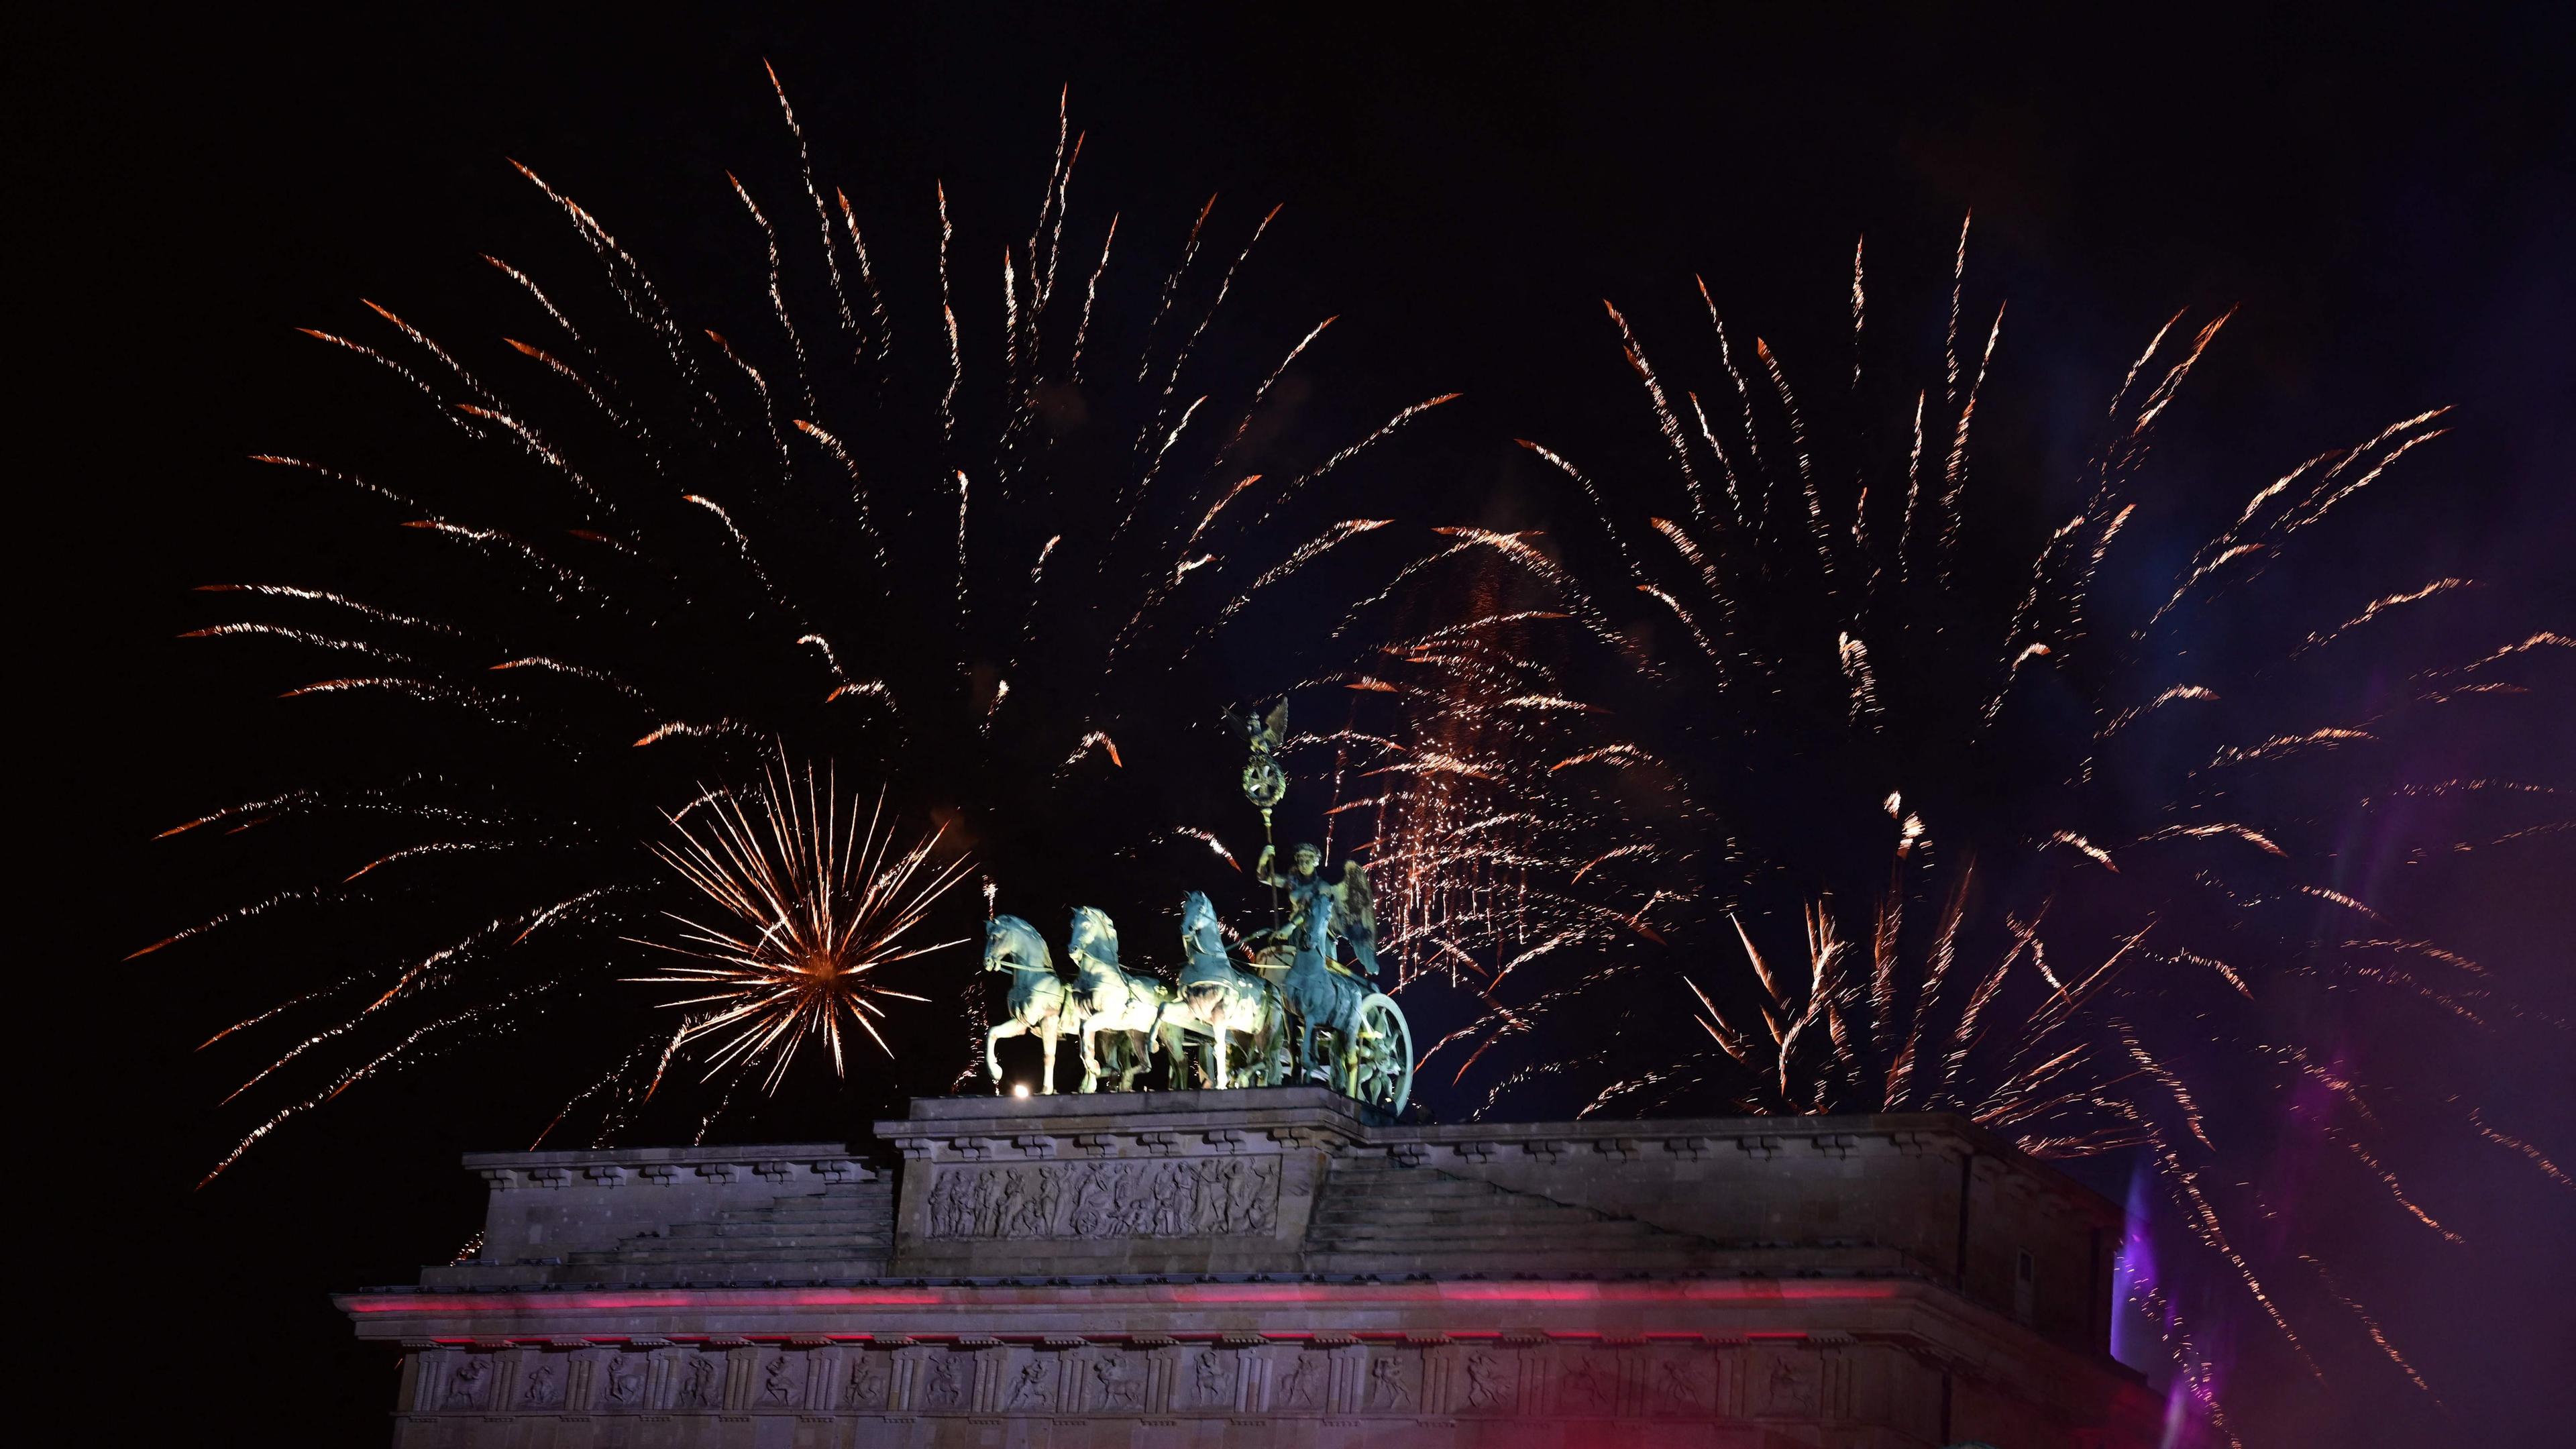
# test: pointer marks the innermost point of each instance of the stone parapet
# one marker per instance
(1275, 1266)
(547, 1209)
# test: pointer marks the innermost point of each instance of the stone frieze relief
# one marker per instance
(1208, 1197)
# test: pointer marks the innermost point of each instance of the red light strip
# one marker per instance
(1709, 1292)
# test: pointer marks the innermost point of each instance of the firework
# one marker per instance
(1902, 833)
(1002, 560)
(815, 909)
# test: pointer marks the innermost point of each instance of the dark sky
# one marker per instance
(2386, 194)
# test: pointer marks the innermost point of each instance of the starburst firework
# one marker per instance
(815, 907)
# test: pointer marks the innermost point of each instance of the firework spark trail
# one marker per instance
(690, 645)
(569, 373)
(435, 847)
(1090, 297)
(1145, 481)
(411, 977)
(2396, 1189)
(687, 730)
(1094, 740)
(1384, 431)
(1759, 470)
(340, 601)
(1225, 284)
(492, 542)
(1725, 466)
(1172, 288)
(1665, 420)
(1260, 394)
(1950, 341)
(2129, 716)
(552, 665)
(538, 449)
(2038, 995)
(858, 495)
(1913, 494)
(1805, 455)
(545, 303)
(823, 227)
(635, 290)
(1954, 474)
(2375, 609)
(305, 637)
(948, 315)
(1314, 548)
(351, 1077)
(2548, 1168)
(884, 330)
(438, 401)
(2370, 1325)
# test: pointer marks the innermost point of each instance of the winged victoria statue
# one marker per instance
(1300, 1005)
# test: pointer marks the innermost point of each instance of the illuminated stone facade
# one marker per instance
(1269, 1268)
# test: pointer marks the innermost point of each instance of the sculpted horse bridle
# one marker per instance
(1040, 1001)
(1111, 998)
(1218, 1000)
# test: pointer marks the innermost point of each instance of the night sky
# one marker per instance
(2386, 195)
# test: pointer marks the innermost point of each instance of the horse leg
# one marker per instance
(1090, 1058)
(992, 1059)
(1048, 1036)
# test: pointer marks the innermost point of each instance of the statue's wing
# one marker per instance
(1274, 730)
(1359, 900)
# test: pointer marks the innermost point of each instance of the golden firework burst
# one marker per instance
(813, 906)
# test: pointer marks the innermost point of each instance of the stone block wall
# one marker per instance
(1258, 1268)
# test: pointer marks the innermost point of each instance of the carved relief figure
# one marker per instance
(466, 1386)
(1305, 1382)
(987, 1223)
(1583, 1387)
(867, 1383)
(1790, 1386)
(1117, 1382)
(779, 1383)
(698, 1390)
(542, 1383)
(1489, 1381)
(1212, 1378)
(626, 1381)
(1387, 1386)
(1012, 1216)
(946, 1392)
(1676, 1389)
(1030, 1390)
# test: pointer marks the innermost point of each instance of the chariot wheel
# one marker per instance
(1382, 1058)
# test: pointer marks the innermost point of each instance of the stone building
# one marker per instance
(1272, 1267)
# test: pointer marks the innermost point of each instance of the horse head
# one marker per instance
(1093, 937)
(1014, 946)
(1201, 935)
